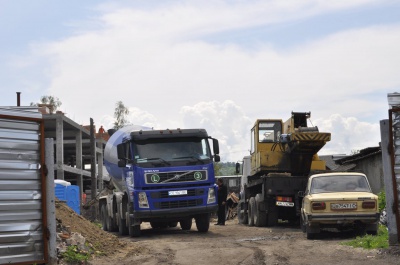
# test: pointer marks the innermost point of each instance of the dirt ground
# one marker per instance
(229, 244)
(240, 244)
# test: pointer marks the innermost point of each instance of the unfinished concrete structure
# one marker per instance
(73, 152)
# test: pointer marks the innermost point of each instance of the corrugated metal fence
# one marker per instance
(22, 187)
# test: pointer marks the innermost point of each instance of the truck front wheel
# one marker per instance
(242, 216)
(186, 224)
(203, 222)
(252, 208)
(134, 230)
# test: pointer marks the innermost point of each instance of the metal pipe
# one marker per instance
(18, 99)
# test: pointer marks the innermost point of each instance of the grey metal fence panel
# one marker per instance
(21, 213)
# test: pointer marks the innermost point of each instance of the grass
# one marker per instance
(381, 240)
(73, 254)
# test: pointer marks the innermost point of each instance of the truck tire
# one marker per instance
(186, 224)
(203, 222)
(173, 224)
(104, 217)
(155, 225)
(252, 208)
(272, 213)
(122, 227)
(134, 230)
(260, 217)
(242, 216)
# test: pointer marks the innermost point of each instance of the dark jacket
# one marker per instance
(222, 194)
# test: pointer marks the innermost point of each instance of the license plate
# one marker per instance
(343, 206)
(177, 192)
(285, 204)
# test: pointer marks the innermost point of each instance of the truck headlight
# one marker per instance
(211, 196)
(143, 203)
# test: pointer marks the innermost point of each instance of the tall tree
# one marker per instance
(120, 113)
(54, 103)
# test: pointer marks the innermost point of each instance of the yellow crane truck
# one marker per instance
(282, 156)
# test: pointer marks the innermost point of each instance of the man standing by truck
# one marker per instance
(222, 194)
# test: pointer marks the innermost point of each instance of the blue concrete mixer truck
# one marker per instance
(164, 177)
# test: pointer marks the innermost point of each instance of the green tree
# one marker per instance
(120, 113)
(52, 102)
(217, 169)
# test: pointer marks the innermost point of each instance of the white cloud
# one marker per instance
(158, 63)
(224, 121)
(348, 134)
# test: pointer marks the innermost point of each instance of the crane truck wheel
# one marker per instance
(242, 216)
(104, 217)
(252, 208)
(186, 224)
(260, 217)
(203, 222)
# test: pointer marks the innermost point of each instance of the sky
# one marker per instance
(217, 64)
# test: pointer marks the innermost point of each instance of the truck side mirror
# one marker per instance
(121, 151)
(215, 146)
(121, 155)
(217, 158)
(237, 170)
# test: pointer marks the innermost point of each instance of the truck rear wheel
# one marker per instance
(260, 218)
(186, 224)
(272, 213)
(122, 227)
(104, 217)
(252, 208)
(203, 222)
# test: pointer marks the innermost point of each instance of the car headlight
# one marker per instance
(143, 203)
(211, 196)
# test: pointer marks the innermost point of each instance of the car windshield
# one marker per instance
(171, 151)
(339, 183)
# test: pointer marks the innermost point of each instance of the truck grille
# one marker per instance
(178, 204)
(176, 176)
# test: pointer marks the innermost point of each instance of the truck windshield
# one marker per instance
(269, 132)
(174, 151)
(339, 183)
